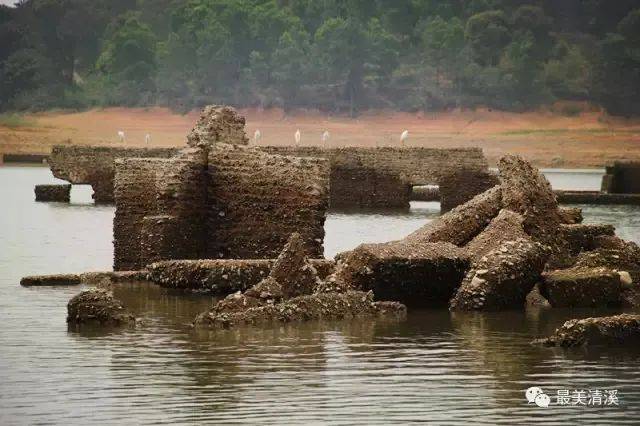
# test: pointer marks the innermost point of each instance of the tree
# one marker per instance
(487, 34)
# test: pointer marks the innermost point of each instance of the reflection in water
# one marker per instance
(434, 366)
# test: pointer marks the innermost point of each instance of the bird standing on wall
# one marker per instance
(257, 136)
(147, 138)
(404, 136)
(121, 136)
(325, 136)
(297, 136)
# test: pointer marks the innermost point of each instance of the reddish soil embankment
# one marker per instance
(547, 139)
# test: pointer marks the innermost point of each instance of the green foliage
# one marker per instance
(14, 121)
(337, 55)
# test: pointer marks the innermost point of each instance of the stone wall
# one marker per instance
(460, 185)
(257, 200)
(94, 165)
(61, 193)
(622, 177)
(160, 211)
(376, 177)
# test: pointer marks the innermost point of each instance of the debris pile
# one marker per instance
(97, 307)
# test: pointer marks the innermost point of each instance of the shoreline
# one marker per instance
(549, 140)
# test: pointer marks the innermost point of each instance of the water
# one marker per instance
(434, 367)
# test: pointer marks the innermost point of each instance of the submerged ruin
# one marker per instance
(247, 223)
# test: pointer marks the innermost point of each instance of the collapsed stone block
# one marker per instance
(220, 276)
(502, 278)
(97, 307)
(535, 299)
(324, 306)
(613, 253)
(621, 329)
(459, 185)
(570, 215)
(257, 200)
(293, 271)
(581, 237)
(526, 191)
(464, 222)
(506, 226)
(416, 274)
(582, 287)
(50, 280)
(218, 124)
(60, 193)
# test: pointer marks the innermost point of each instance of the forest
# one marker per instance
(342, 56)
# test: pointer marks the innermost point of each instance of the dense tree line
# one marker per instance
(338, 55)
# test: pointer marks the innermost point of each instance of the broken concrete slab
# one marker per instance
(97, 307)
(464, 222)
(570, 215)
(414, 273)
(621, 329)
(506, 226)
(582, 236)
(526, 191)
(502, 278)
(325, 306)
(56, 193)
(51, 280)
(292, 270)
(220, 276)
(581, 287)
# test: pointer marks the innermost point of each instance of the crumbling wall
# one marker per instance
(218, 124)
(622, 177)
(160, 211)
(257, 200)
(375, 177)
(94, 165)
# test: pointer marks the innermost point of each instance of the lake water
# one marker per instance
(435, 366)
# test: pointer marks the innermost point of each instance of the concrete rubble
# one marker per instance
(621, 329)
(97, 307)
(582, 287)
(290, 293)
(59, 193)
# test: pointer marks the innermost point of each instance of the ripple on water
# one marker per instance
(433, 367)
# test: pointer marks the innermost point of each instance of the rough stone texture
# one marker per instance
(425, 193)
(257, 200)
(458, 186)
(61, 193)
(97, 307)
(614, 253)
(582, 287)
(324, 306)
(581, 237)
(160, 211)
(463, 223)
(293, 271)
(507, 226)
(526, 191)
(95, 166)
(383, 177)
(621, 329)
(622, 177)
(220, 276)
(535, 299)
(503, 278)
(218, 124)
(570, 215)
(89, 278)
(414, 273)
(50, 280)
